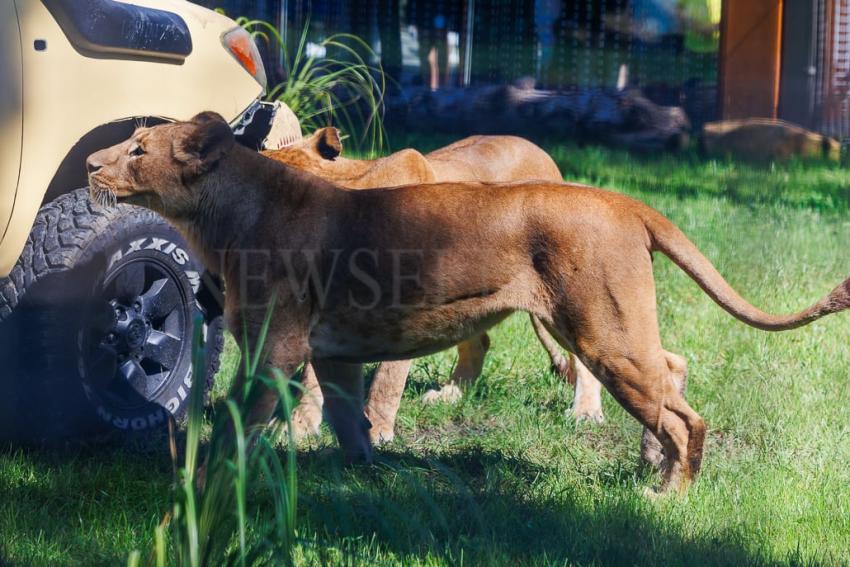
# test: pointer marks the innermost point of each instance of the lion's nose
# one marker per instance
(93, 165)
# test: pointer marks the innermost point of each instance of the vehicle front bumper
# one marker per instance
(267, 126)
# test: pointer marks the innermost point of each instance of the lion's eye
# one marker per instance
(137, 151)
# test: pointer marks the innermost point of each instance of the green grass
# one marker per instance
(506, 476)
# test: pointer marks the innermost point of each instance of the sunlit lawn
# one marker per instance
(507, 476)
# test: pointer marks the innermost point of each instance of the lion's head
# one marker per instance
(310, 154)
(156, 166)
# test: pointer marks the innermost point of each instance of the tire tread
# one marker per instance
(58, 237)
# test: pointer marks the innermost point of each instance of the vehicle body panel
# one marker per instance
(68, 94)
(11, 116)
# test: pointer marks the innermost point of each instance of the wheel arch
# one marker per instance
(66, 94)
(71, 173)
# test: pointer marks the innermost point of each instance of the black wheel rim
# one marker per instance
(138, 333)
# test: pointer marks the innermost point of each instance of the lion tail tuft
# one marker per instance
(838, 299)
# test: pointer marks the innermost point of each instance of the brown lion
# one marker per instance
(403, 272)
(476, 158)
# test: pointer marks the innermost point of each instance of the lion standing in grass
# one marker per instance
(577, 257)
(488, 159)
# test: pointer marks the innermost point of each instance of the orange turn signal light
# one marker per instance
(241, 45)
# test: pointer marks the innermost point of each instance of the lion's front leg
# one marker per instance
(587, 404)
(384, 399)
(285, 348)
(470, 362)
(257, 399)
(286, 355)
(307, 415)
(342, 387)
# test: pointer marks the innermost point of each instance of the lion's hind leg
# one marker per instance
(587, 400)
(560, 364)
(651, 450)
(645, 387)
(618, 341)
(470, 362)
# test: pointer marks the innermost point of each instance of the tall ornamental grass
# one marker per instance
(223, 523)
(341, 88)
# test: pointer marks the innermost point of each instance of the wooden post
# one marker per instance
(750, 58)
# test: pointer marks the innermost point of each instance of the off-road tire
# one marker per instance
(75, 246)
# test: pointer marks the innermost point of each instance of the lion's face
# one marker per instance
(156, 166)
(310, 154)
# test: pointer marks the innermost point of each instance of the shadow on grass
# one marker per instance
(485, 506)
(482, 505)
(81, 504)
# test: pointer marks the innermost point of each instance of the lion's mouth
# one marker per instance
(102, 194)
(106, 194)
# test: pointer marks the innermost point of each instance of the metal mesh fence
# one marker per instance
(668, 48)
(832, 97)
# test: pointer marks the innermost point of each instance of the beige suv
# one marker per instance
(97, 305)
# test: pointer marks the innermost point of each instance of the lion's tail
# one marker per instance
(668, 239)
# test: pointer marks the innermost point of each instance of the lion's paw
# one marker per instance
(381, 435)
(651, 451)
(305, 424)
(449, 394)
(588, 414)
(562, 367)
(652, 493)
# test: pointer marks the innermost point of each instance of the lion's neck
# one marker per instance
(242, 191)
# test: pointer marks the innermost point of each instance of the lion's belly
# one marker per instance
(376, 335)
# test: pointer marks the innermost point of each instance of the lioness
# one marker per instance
(765, 139)
(476, 158)
(403, 272)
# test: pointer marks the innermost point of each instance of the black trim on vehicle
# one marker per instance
(253, 125)
(105, 28)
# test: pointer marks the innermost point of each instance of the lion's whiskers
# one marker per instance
(104, 197)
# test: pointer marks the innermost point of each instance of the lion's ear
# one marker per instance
(206, 117)
(202, 142)
(327, 143)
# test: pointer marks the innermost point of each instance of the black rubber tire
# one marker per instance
(46, 307)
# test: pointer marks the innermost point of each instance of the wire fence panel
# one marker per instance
(667, 48)
(833, 68)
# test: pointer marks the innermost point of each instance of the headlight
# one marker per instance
(241, 45)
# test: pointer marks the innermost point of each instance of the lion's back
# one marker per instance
(493, 159)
